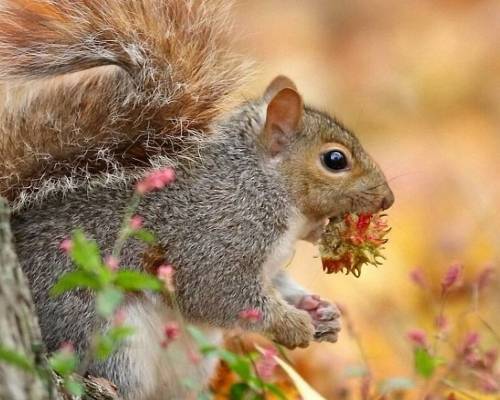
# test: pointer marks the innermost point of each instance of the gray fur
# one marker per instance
(217, 222)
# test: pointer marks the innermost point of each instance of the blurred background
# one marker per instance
(419, 82)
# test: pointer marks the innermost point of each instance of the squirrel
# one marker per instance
(96, 94)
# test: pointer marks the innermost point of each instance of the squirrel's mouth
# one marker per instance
(318, 228)
(335, 219)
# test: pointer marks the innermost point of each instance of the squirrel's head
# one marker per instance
(325, 167)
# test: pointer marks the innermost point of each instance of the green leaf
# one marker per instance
(16, 359)
(229, 357)
(85, 253)
(242, 368)
(396, 383)
(105, 275)
(144, 235)
(75, 279)
(208, 350)
(425, 363)
(271, 387)
(104, 347)
(108, 300)
(199, 337)
(131, 280)
(64, 362)
(238, 391)
(119, 333)
(74, 387)
(109, 341)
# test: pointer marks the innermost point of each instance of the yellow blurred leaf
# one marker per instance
(305, 390)
(469, 394)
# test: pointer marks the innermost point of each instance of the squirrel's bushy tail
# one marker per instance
(169, 73)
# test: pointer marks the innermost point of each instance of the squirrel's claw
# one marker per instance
(325, 317)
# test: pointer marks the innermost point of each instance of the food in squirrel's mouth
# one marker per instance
(347, 244)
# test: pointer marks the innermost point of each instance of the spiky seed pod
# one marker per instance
(354, 241)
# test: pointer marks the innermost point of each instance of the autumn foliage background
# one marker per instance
(419, 82)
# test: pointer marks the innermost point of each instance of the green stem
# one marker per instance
(125, 228)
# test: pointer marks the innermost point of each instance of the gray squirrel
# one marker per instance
(95, 95)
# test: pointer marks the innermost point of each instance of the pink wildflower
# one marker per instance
(136, 222)
(470, 342)
(489, 383)
(473, 360)
(451, 277)
(490, 359)
(111, 262)
(267, 363)
(171, 332)
(485, 277)
(156, 180)
(119, 317)
(441, 322)
(165, 273)
(67, 347)
(66, 245)
(417, 337)
(418, 278)
(251, 315)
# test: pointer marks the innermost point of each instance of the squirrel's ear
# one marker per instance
(279, 83)
(284, 114)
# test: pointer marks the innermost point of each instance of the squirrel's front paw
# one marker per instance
(293, 328)
(325, 317)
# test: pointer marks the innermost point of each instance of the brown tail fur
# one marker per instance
(96, 87)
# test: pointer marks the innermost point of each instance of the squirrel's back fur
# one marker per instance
(93, 88)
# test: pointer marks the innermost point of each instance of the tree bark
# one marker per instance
(19, 329)
(19, 332)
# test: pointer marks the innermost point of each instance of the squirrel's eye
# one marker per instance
(335, 160)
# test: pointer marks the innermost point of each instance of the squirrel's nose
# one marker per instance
(388, 200)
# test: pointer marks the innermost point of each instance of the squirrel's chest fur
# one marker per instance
(158, 367)
(283, 250)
